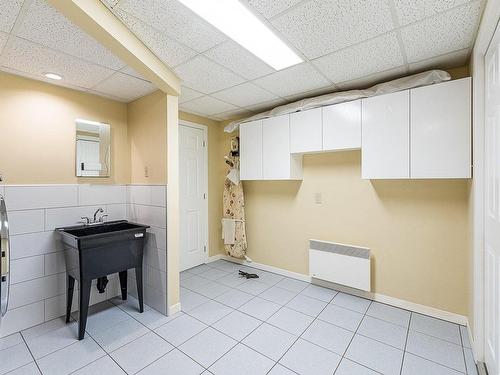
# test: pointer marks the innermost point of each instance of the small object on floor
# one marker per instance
(249, 275)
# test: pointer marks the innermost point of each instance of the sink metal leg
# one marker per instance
(69, 296)
(123, 284)
(84, 307)
(138, 278)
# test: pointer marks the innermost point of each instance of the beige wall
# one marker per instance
(37, 127)
(147, 128)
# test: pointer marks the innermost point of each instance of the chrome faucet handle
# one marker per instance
(99, 211)
(101, 218)
(85, 220)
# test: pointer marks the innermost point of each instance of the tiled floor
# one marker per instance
(233, 326)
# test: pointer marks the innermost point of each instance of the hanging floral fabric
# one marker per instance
(233, 222)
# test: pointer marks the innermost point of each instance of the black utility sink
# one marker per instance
(97, 250)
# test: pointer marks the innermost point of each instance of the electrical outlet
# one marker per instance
(318, 198)
(146, 171)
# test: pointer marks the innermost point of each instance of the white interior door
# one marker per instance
(492, 208)
(193, 195)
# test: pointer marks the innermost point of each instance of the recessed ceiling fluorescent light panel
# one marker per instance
(240, 24)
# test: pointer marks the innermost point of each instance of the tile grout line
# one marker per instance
(32, 356)
(406, 343)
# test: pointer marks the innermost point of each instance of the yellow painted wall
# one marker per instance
(147, 128)
(37, 127)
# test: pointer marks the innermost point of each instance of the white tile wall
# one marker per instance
(147, 205)
(38, 269)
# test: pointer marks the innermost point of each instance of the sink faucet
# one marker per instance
(99, 211)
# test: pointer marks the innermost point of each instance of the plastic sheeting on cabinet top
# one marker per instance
(417, 80)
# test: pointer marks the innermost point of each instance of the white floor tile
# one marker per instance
(190, 300)
(469, 362)
(234, 298)
(224, 265)
(413, 365)
(348, 367)
(306, 305)
(141, 352)
(11, 340)
(389, 314)
(260, 308)
(280, 370)
(237, 325)
(103, 316)
(213, 274)
(328, 336)
(105, 365)
(291, 321)
(436, 327)
(71, 358)
(319, 292)
(60, 336)
(375, 355)
(29, 369)
(253, 287)
(118, 335)
(210, 312)
(341, 317)
(208, 346)
(14, 357)
(278, 295)
(351, 302)
(465, 337)
(388, 333)
(173, 363)
(270, 341)
(242, 360)
(269, 278)
(232, 280)
(181, 329)
(309, 359)
(292, 285)
(211, 289)
(154, 319)
(436, 350)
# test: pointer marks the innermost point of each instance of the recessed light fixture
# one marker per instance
(55, 76)
(240, 24)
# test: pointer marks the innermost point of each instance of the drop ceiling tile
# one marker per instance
(310, 94)
(110, 3)
(320, 27)
(375, 55)
(293, 80)
(187, 94)
(35, 59)
(164, 47)
(231, 55)
(9, 10)
(131, 72)
(441, 34)
(272, 8)
(44, 25)
(245, 95)
(450, 60)
(373, 79)
(124, 86)
(207, 106)
(3, 40)
(410, 11)
(204, 75)
(236, 114)
(176, 20)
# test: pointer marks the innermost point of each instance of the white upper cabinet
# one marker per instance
(385, 136)
(306, 131)
(278, 162)
(342, 126)
(441, 130)
(251, 150)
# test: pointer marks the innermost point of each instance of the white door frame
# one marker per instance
(204, 128)
(489, 23)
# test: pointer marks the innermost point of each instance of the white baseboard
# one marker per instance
(174, 309)
(396, 302)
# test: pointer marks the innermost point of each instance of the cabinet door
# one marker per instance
(342, 126)
(305, 131)
(441, 130)
(251, 150)
(385, 136)
(276, 147)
